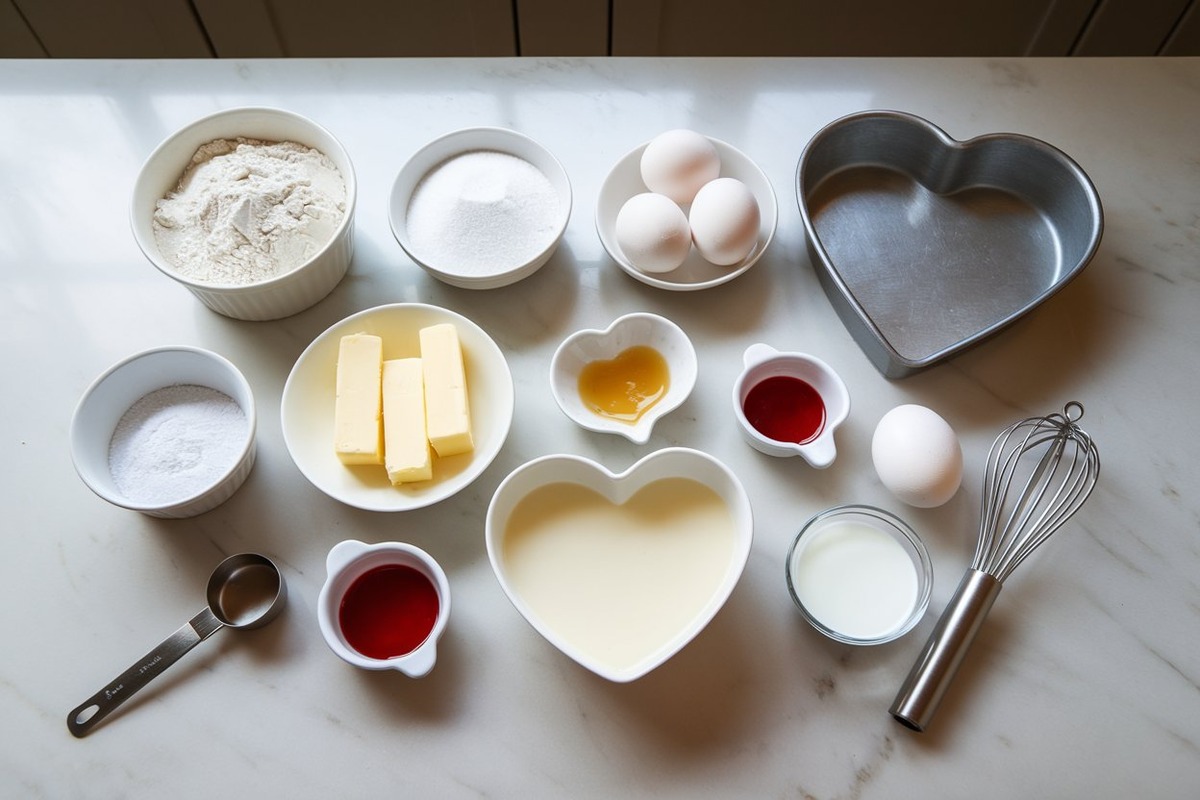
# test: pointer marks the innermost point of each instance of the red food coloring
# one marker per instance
(388, 611)
(785, 409)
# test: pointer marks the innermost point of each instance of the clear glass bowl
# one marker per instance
(859, 575)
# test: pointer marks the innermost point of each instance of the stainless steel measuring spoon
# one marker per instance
(245, 591)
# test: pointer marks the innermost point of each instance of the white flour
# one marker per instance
(175, 442)
(481, 213)
(245, 211)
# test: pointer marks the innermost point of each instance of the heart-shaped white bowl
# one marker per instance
(654, 596)
(583, 347)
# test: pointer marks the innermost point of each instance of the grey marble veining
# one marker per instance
(1085, 682)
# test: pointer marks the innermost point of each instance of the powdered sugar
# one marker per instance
(176, 442)
(482, 213)
(246, 210)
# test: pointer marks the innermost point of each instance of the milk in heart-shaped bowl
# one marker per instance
(926, 245)
(620, 571)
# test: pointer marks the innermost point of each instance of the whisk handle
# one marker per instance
(943, 653)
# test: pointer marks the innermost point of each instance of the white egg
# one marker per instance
(724, 220)
(653, 232)
(678, 162)
(917, 456)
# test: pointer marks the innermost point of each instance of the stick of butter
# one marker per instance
(447, 412)
(405, 446)
(358, 409)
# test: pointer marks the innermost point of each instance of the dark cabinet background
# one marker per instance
(368, 28)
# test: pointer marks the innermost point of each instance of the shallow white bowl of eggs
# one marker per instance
(674, 574)
(587, 346)
(625, 180)
(306, 412)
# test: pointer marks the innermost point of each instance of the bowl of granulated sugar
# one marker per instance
(252, 209)
(480, 208)
(169, 432)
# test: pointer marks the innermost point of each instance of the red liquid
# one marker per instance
(388, 611)
(785, 409)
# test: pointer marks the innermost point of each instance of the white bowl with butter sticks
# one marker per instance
(309, 414)
(251, 209)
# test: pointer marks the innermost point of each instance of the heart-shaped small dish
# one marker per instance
(620, 571)
(926, 245)
(596, 347)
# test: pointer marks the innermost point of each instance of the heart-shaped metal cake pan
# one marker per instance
(927, 245)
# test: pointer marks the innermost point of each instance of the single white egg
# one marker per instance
(724, 219)
(653, 233)
(917, 456)
(678, 162)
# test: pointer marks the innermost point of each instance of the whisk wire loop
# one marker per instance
(1055, 464)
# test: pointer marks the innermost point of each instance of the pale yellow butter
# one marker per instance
(447, 411)
(406, 448)
(358, 409)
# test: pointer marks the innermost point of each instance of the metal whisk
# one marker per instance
(1039, 472)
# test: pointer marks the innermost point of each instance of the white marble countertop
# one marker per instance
(1084, 683)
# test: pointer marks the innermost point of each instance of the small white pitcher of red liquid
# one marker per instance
(384, 606)
(789, 404)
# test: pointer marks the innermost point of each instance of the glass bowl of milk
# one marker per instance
(859, 575)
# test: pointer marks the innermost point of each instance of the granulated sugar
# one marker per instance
(482, 213)
(175, 442)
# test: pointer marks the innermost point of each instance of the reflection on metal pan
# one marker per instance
(926, 245)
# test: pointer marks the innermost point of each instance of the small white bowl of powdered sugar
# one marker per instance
(252, 209)
(169, 432)
(480, 208)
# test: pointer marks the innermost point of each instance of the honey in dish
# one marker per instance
(626, 387)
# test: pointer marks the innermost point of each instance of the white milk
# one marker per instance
(855, 579)
(618, 583)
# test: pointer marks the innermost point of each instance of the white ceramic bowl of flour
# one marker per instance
(262, 298)
(480, 208)
(169, 432)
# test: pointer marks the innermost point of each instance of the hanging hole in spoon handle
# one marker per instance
(89, 714)
(244, 591)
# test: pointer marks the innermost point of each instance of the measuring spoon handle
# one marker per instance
(85, 717)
